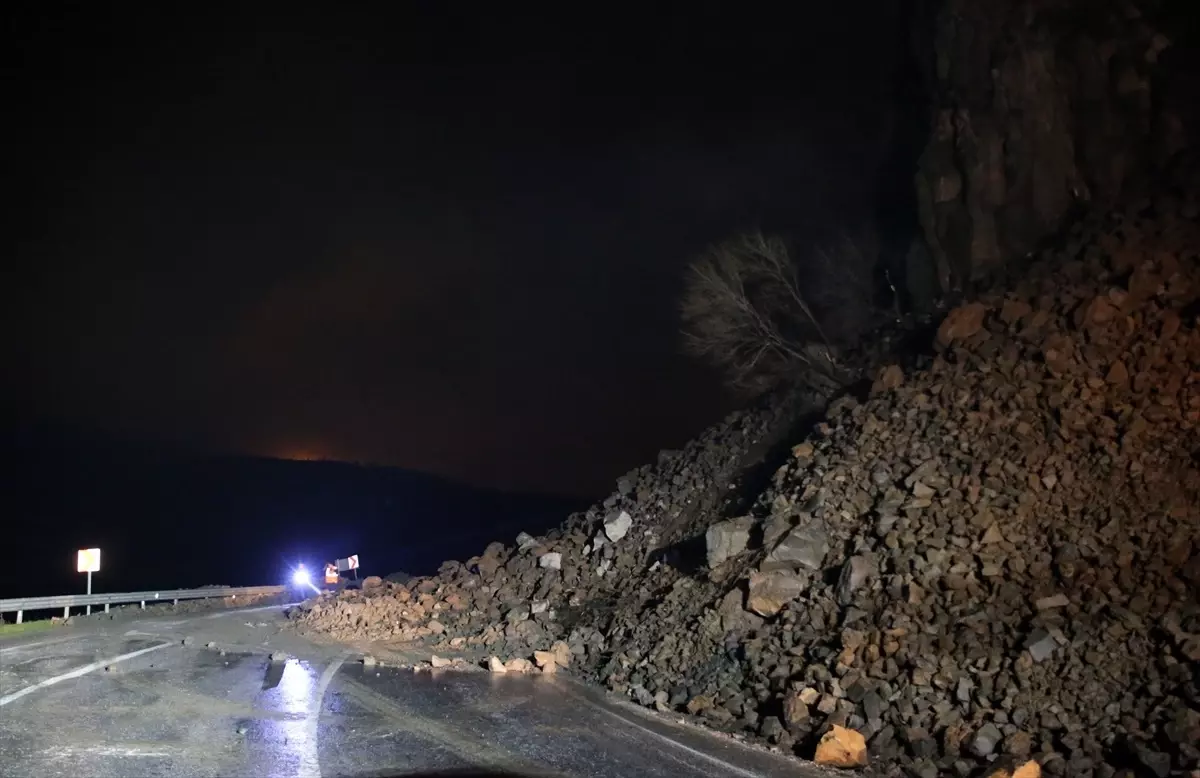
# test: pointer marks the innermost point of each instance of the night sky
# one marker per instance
(447, 241)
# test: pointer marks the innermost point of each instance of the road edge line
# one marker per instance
(732, 768)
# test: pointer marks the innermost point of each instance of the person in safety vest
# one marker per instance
(331, 575)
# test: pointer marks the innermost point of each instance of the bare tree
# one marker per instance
(747, 308)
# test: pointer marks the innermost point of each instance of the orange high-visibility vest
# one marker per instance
(331, 574)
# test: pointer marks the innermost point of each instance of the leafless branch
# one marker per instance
(745, 309)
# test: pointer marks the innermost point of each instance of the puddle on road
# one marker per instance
(287, 741)
(274, 675)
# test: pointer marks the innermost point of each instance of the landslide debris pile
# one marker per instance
(513, 599)
(994, 557)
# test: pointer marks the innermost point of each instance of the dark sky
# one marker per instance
(443, 240)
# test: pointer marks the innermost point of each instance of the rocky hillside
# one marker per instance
(1038, 108)
(992, 556)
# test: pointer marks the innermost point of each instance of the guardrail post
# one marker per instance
(66, 611)
(19, 615)
(106, 607)
(143, 605)
(175, 601)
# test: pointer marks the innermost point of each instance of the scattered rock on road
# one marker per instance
(841, 747)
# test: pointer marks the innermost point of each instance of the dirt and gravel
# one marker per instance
(990, 558)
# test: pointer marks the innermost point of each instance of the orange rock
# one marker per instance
(1118, 374)
(1099, 311)
(562, 653)
(961, 323)
(802, 450)
(841, 747)
(890, 377)
(1030, 769)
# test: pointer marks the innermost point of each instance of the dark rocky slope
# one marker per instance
(992, 556)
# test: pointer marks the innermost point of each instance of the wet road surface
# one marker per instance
(130, 698)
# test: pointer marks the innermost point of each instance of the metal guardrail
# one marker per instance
(68, 601)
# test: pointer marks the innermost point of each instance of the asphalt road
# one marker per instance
(127, 697)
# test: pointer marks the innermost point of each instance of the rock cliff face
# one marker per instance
(1038, 108)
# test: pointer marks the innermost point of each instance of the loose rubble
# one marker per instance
(988, 563)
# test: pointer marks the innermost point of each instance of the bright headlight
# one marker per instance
(300, 577)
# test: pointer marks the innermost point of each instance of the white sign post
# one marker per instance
(88, 562)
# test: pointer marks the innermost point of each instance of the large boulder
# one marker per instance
(617, 525)
(804, 547)
(841, 747)
(769, 592)
(727, 539)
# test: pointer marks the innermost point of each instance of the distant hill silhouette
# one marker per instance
(168, 518)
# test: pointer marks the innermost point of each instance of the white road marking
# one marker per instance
(310, 763)
(6, 699)
(23, 646)
(112, 750)
(248, 610)
(733, 769)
